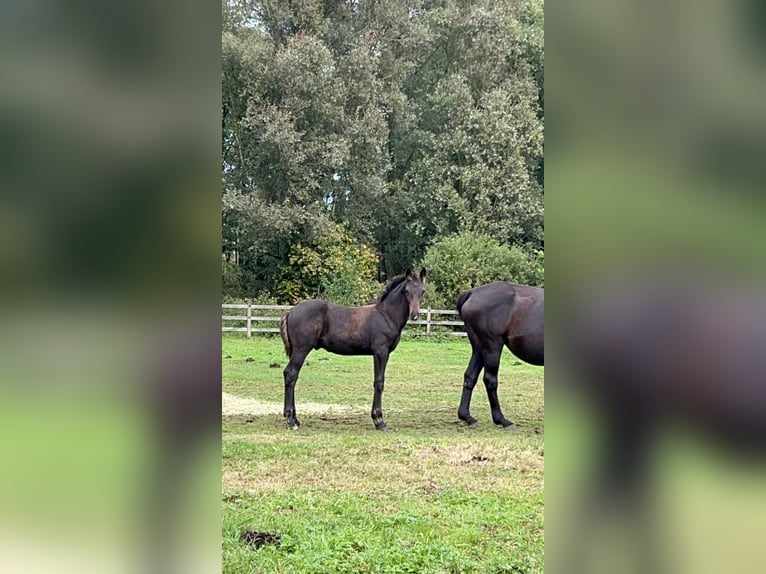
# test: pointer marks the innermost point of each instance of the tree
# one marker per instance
(405, 120)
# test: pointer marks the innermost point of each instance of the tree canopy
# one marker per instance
(405, 121)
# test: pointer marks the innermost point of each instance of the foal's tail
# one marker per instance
(462, 298)
(285, 336)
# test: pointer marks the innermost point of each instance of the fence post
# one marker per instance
(428, 322)
(249, 319)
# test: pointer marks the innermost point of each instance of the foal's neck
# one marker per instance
(395, 306)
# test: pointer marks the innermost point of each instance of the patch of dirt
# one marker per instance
(238, 406)
(235, 481)
(257, 539)
(523, 460)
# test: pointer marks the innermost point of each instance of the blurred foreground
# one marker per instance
(665, 411)
(109, 222)
(656, 393)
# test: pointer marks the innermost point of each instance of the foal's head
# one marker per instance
(414, 287)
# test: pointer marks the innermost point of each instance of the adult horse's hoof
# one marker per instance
(294, 424)
(506, 424)
(381, 426)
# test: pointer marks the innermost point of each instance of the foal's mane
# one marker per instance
(393, 284)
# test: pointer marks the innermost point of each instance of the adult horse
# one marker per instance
(495, 315)
(654, 353)
(372, 329)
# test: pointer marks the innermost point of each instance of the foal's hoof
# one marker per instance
(294, 424)
(506, 424)
(469, 420)
(381, 426)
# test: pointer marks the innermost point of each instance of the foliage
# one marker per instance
(405, 120)
(231, 279)
(463, 261)
(335, 267)
(538, 275)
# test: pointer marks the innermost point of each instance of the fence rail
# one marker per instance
(253, 322)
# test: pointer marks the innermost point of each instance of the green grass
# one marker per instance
(430, 495)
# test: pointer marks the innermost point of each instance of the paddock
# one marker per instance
(430, 495)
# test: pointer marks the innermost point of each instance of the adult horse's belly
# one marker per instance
(527, 349)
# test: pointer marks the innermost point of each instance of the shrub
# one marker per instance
(335, 267)
(463, 261)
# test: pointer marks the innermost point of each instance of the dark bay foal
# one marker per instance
(495, 315)
(372, 329)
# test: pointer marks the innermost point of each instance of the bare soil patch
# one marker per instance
(238, 406)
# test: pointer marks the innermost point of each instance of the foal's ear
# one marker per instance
(409, 274)
(423, 275)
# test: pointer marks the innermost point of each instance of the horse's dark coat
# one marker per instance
(499, 314)
(653, 353)
(372, 329)
(675, 352)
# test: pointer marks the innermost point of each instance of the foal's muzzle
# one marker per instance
(414, 315)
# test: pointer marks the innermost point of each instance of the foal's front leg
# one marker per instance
(380, 362)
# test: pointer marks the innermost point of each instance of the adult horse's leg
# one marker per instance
(291, 372)
(491, 357)
(470, 377)
(618, 496)
(380, 361)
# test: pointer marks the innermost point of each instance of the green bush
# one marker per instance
(463, 261)
(336, 267)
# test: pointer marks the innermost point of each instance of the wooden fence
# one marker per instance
(249, 318)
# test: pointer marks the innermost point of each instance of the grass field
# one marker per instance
(430, 495)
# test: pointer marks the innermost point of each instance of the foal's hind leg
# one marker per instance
(291, 372)
(380, 360)
(491, 357)
(469, 382)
